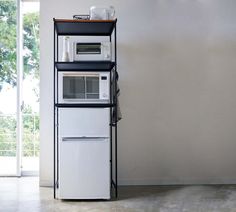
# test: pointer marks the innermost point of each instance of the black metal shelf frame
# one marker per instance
(89, 66)
(86, 28)
(87, 105)
(80, 27)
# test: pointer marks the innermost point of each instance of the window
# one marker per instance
(19, 123)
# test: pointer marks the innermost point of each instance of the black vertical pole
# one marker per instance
(54, 116)
(116, 110)
(111, 101)
(57, 116)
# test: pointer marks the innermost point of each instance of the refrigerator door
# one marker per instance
(84, 168)
(75, 122)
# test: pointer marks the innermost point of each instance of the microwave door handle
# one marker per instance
(83, 138)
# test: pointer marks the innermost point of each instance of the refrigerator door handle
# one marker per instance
(83, 138)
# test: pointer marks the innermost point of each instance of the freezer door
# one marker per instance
(84, 168)
(75, 122)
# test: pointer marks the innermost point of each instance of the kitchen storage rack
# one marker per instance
(66, 27)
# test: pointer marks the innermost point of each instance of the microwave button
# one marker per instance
(104, 95)
(107, 56)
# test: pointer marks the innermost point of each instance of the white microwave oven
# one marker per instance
(84, 87)
(99, 51)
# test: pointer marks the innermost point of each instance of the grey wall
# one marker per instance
(177, 65)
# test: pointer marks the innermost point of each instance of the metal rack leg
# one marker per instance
(116, 159)
(54, 117)
(116, 113)
(111, 101)
(57, 117)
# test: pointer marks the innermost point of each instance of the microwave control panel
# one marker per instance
(104, 86)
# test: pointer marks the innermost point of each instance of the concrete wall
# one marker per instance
(177, 65)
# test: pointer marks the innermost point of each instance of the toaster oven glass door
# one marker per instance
(80, 87)
(88, 48)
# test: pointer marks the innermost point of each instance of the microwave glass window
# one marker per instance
(80, 87)
(88, 48)
(92, 87)
(73, 87)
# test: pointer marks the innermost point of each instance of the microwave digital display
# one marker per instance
(104, 78)
(88, 48)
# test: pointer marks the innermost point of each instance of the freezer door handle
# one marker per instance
(83, 138)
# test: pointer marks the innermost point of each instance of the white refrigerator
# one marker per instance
(84, 153)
